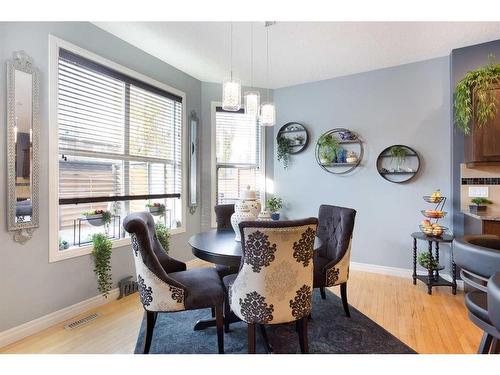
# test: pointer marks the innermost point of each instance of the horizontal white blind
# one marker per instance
(238, 154)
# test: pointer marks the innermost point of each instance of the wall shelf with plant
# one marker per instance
(292, 138)
(398, 163)
(339, 151)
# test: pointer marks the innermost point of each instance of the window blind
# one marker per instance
(238, 154)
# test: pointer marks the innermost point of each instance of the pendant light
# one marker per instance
(231, 88)
(252, 97)
(267, 109)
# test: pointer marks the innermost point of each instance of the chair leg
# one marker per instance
(495, 346)
(322, 291)
(303, 339)
(251, 338)
(148, 332)
(484, 346)
(213, 312)
(219, 319)
(227, 312)
(269, 348)
(343, 294)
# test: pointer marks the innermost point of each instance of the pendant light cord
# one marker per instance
(231, 49)
(267, 53)
(251, 55)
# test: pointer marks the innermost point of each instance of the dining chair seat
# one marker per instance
(204, 286)
(477, 304)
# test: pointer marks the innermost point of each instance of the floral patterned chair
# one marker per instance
(274, 283)
(331, 260)
(163, 287)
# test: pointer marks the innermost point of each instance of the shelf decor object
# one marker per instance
(398, 164)
(297, 135)
(339, 151)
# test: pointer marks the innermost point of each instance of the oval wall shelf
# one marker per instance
(297, 134)
(398, 164)
(346, 158)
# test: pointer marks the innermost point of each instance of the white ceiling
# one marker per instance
(299, 51)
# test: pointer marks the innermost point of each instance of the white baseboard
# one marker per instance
(395, 271)
(17, 333)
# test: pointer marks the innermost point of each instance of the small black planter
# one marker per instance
(475, 208)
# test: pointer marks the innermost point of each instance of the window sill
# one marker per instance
(73, 252)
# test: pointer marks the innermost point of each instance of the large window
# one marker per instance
(119, 150)
(238, 155)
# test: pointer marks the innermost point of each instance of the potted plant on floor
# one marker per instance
(101, 255)
(283, 151)
(479, 204)
(275, 204)
(329, 147)
(163, 235)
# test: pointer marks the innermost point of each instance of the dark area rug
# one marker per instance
(330, 331)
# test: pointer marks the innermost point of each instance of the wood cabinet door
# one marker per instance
(483, 144)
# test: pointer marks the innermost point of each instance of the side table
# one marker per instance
(432, 278)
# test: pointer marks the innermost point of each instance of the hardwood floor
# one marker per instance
(428, 324)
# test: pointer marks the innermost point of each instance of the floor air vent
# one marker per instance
(80, 322)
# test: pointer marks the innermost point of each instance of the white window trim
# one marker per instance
(213, 173)
(54, 45)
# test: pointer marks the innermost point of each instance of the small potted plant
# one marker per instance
(427, 261)
(299, 140)
(479, 204)
(98, 218)
(398, 153)
(101, 255)
(163, 235)
(275, 204)
(283, 151)
(63, 244)
(156, 209)
(328, 148)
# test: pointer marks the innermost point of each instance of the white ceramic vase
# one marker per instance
(247, 208)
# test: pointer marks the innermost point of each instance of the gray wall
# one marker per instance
(406, 104)
(30, 286)
(212, 92)
(462, 61)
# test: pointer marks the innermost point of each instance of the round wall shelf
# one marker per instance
(398, 163)
(339, 151)
(297, 134)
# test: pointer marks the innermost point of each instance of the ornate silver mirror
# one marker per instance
(193, 162)
(23, 131)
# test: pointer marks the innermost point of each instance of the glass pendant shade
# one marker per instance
(252, 103)
(267, 114)
(231, 95)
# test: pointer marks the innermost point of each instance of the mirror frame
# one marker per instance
(22, 62)
(194, 123)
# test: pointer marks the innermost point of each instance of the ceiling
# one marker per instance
(299, 51)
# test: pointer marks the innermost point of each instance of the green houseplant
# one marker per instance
(275, 204)
(283, 151)
(427, 261)
(163, 235)
(476, 86)
(101, 254)
(156, 209)
(328, 148)
(398, 153)
(98, 217)
(479, 204)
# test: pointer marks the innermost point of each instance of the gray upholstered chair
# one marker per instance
(167, 286)
(494, 309)
(223, 213)
(478, 256)
(331, 260)
(274, 283)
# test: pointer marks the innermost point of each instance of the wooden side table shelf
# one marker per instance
(432, 278)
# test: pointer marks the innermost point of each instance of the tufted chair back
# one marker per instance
(275, 281)
(335, 229)
(158, 291)
(223, 214)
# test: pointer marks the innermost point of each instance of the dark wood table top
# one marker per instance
(220, 247)
(424, 237)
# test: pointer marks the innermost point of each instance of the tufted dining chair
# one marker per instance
(331, 260)
(164, 287)
(223, 213)
(274, 283)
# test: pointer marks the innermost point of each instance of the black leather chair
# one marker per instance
(164, 283)
(478, 256)
(494, 309)
(331, 261)
(223, 213)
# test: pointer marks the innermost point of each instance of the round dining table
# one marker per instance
(218, 246)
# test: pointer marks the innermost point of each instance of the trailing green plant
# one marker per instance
(101, 254)
(105, 215)
(328, 147)
(476, 85)
(399, 153)
(480, 201)
(274, 204)
(163, 235)
(427, 261)
(283, 151)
